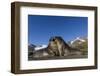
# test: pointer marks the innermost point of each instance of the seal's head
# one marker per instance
(53, 43)
(56, 39)
(52, 47)
(60, 43)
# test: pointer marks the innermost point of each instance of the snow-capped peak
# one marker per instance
(40, 47)
(78, 39)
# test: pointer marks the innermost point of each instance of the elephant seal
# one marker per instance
(64, 49)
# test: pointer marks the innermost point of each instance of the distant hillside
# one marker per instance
(33, 48)
(80, 43)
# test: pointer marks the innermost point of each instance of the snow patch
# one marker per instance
(78, 38)
(40, 47)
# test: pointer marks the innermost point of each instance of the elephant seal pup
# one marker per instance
(64, 49)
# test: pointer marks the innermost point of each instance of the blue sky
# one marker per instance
(41, 28)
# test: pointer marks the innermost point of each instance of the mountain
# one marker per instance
(80, 43)
(32, 45)
(33, 48)
(77, 40)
